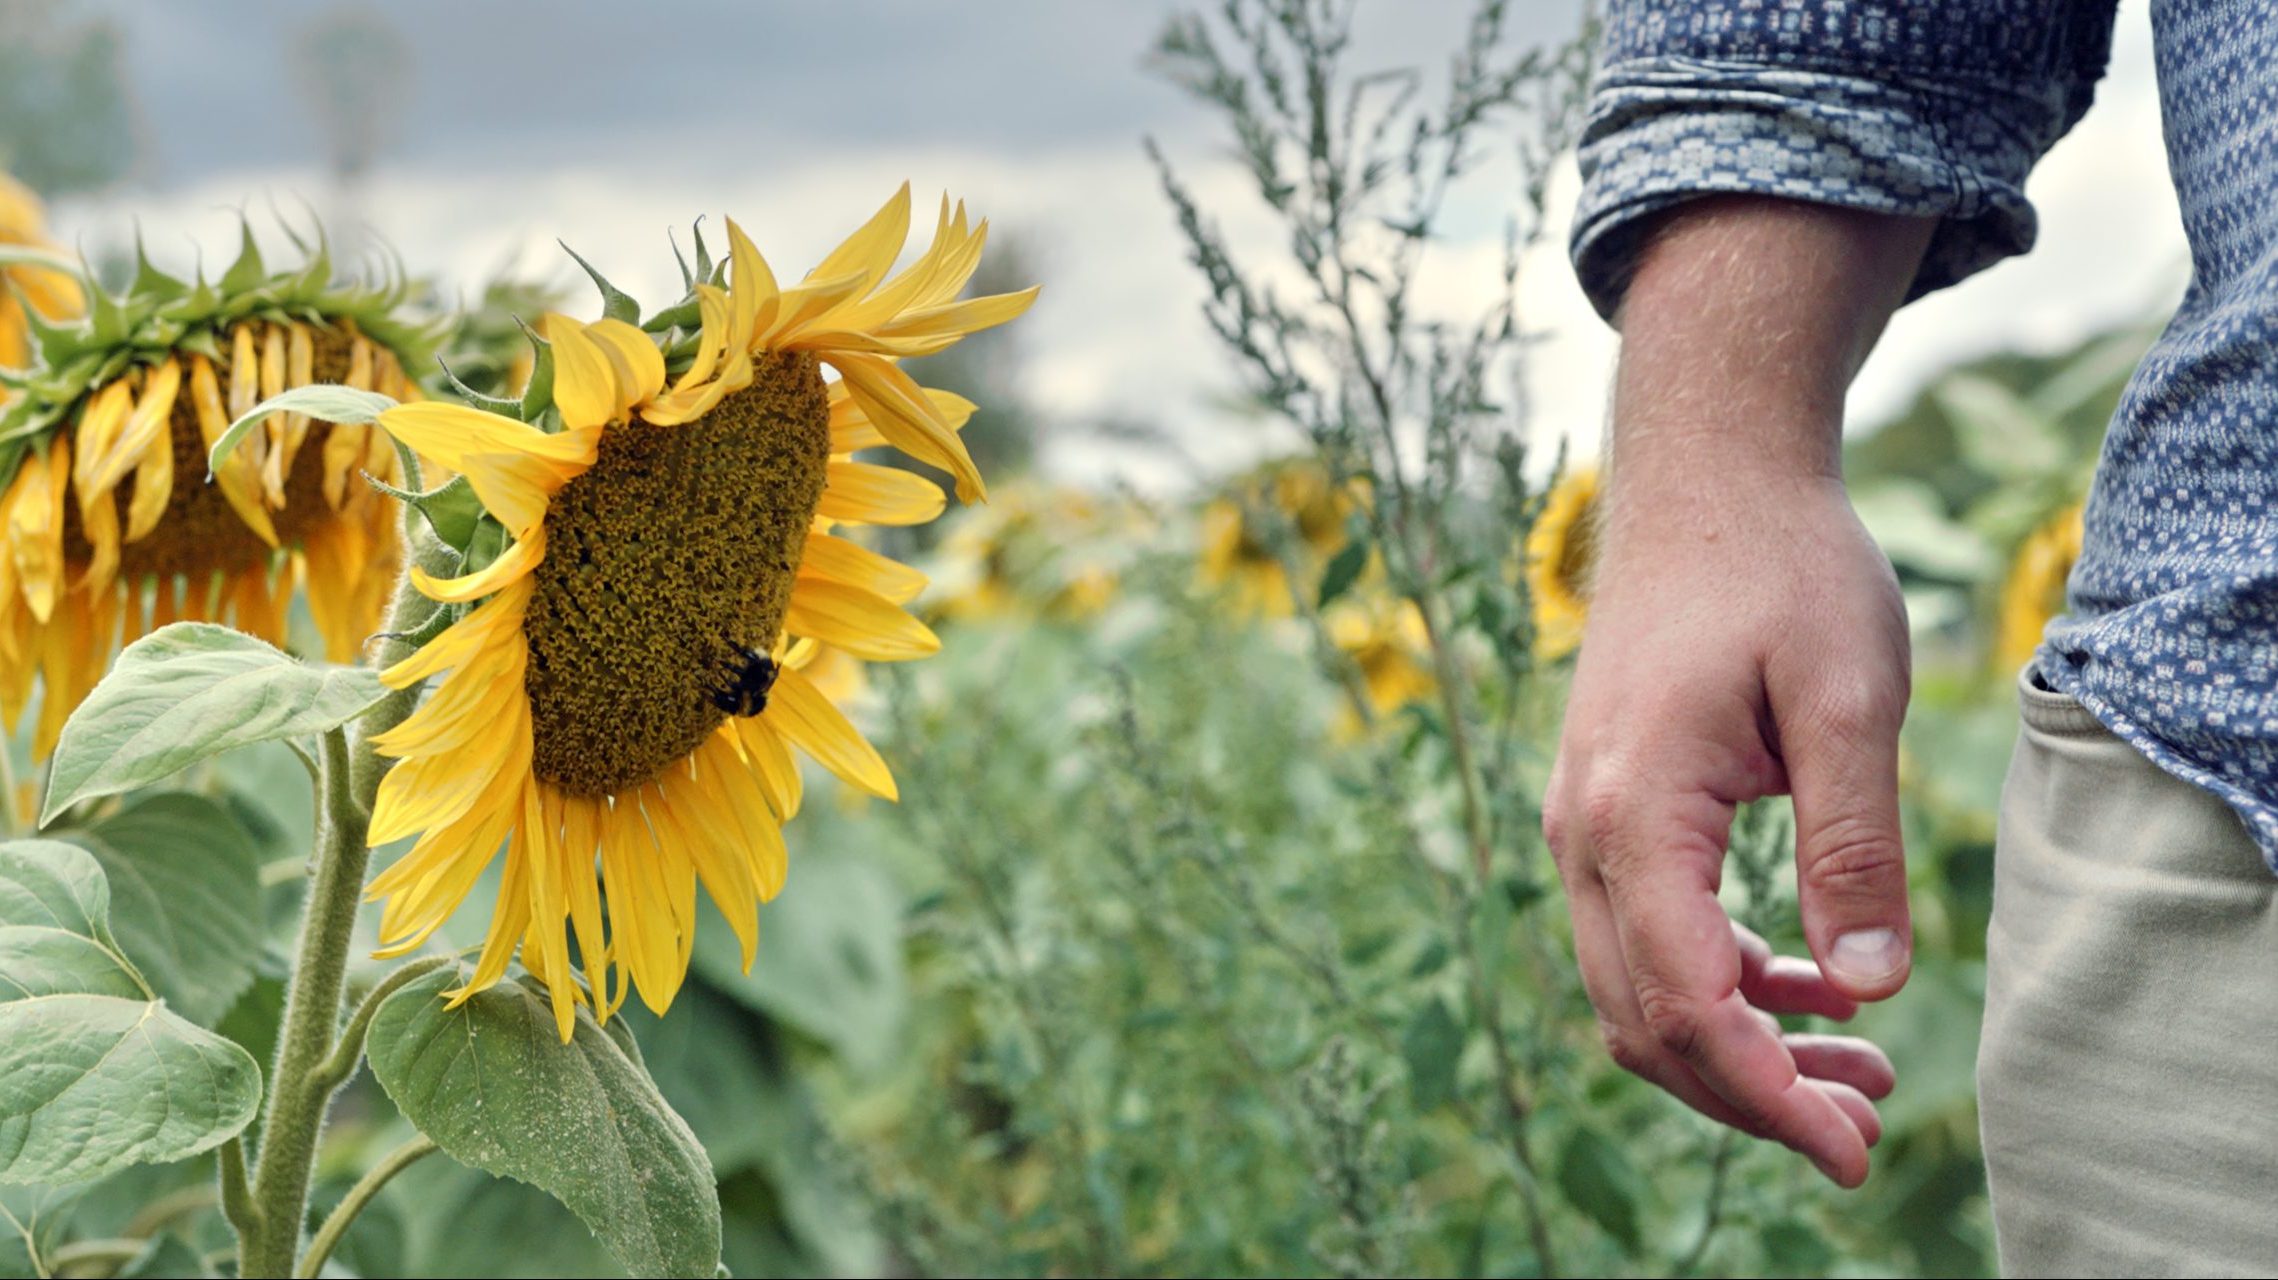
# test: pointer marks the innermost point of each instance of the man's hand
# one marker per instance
(1746, 638)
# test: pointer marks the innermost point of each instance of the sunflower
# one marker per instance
(1238, 555)
(1562, 550)
(54, 294)
(1384, 637)
(1034, 552)
(108, 528)
(627, 676)
(2033, 593)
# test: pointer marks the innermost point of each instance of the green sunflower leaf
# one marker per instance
(496, 1088)
(185, 897)
(96, 1073)
(324, 401)
(190, 691)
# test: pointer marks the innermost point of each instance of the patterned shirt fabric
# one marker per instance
(1939, 108)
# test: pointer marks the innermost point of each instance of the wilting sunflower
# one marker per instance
(626, 678)
(1562, 550)
(1238, 555)
(2033, 593)
(52, 293)
(108, 527)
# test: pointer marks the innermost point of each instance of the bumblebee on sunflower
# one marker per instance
(108, 527)
(636, 615)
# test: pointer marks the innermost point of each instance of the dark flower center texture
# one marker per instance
(676, 547)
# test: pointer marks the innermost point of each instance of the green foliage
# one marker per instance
(185, 890)
(96, 1074)
(188, 692)
(496, 1088)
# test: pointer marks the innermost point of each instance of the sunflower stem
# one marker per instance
(298, 1098)
(335, 1070)
(306, 1076)
(336, 1225)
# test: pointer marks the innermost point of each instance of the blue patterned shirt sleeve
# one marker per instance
(1936, 108)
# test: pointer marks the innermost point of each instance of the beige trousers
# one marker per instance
(2128, 1076)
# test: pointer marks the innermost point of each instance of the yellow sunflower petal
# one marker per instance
(870, 252)
(35, 525)
(899, 409)
(857, 565)
(238, 478)
(808, 720)
(863, 493)
(639, 365)
(517, 561)
(513, 467)
(585, 384)
(861, 622)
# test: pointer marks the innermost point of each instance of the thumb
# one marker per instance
(1841, 756)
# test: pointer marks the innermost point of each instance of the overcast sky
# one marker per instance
(513, 122)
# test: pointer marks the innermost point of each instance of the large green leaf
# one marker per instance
(95, 1072)
(189, 691)
(829, 961)
(492, 1083)
(185, 898)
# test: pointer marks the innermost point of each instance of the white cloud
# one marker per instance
(1118, 333)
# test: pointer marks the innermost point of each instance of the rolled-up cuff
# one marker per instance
(1666, 130)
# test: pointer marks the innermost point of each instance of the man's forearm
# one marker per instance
(1742, 329)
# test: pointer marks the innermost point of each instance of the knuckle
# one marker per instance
(1625, 1047)
(1854, 855)
(1859, 708)
(1674, 1019)
(1605, 808)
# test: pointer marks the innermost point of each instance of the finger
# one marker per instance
(1841, 752)
(1857, 1110)
(1684, 966)
(1598, 953)
(1785, 984)
(1848, 1059)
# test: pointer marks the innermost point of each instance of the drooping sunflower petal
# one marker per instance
(899, 409)
(865, 493)
(862, 622)
(807, 718)
(858, 566)
(513, 467)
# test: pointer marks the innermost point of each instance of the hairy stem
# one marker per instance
(336, 1068)
(344, 1215)
(297, 1099)
(305, 1078)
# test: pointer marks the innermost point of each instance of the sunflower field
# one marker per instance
(555, 783)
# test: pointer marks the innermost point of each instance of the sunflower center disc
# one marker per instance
(676, 547)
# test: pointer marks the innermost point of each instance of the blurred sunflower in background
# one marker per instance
(52, 293)
(2033, 591)
(1238, 556)
(1385, 638)
(635, 640)
(108, 527)
(1562, 550)
(1036, 551)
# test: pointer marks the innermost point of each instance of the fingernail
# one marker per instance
(1867, 955)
